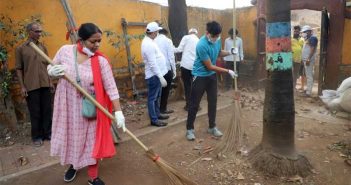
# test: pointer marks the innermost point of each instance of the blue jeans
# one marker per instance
(154, 94)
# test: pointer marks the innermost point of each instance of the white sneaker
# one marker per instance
(214, 131)
(190, 135)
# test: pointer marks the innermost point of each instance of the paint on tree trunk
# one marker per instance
(279, 61)
(274, 45)
(278, 30)
(278, 46)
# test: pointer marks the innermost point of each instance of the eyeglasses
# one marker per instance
(37, 31)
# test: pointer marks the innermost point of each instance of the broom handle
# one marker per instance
(87, 95)
(234, 45)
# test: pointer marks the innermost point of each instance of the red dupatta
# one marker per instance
(104, 145)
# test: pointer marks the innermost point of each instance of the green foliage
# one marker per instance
(118, 40)
(5, 83)
(3, 54)
(14, 31)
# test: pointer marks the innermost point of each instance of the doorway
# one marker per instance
(319, 21)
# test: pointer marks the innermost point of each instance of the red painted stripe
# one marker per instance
(278, 44)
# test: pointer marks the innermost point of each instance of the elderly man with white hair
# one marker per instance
(187, 46)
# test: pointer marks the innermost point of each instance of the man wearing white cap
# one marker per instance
(187, 46)
(155, 69)
(309, 56)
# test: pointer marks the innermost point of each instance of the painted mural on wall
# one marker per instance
(278, 46)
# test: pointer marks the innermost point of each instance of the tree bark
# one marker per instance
(276, 155)
(177, 20)
(178, 27)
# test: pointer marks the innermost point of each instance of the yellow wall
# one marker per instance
(106, 14)
(197, 18)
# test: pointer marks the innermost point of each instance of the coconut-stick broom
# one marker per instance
(232, 138)
(175, 177)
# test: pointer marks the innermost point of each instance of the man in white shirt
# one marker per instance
(155, 69)
(166, 46)
(229, 60)
(188, 47)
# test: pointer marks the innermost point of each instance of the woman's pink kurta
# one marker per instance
(73, 136)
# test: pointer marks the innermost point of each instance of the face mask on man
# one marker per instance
(304, 35)
(211, 40)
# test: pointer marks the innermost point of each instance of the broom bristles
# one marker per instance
(231, 141)
(174, 176)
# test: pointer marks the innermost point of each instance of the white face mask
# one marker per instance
(88, 52)
(304, 35)
(211, 40)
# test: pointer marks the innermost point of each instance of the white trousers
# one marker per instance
(309, 77)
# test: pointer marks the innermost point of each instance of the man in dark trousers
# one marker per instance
(35, 84)
(166, 47)
(204, 71)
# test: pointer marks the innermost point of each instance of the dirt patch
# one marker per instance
(21, 135)
(316, 129)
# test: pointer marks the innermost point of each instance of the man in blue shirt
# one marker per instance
(204, 71)
(309, 56)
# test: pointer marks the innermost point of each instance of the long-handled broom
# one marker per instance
(232, 139)
(175, 177)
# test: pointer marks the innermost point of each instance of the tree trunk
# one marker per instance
(177, 20)
(178, 27)
(276, 155)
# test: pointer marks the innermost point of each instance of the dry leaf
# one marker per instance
(206, 159)
(22, 160)
(295, 178)
(342, 155)
(240, 176)
(230, 173)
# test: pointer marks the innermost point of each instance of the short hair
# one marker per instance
(29, 26)
(164, 31)
(86, 30)
(230, 32)
(214, 28)
(297, 27)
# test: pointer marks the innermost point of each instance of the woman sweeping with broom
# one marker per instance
(80, 137)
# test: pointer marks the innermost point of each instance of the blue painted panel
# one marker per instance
(278, 61)
(278, 29)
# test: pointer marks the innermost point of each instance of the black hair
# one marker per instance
(214, 28)
(297, 28)
(230, 32)
(164, 31)
(86, 30)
